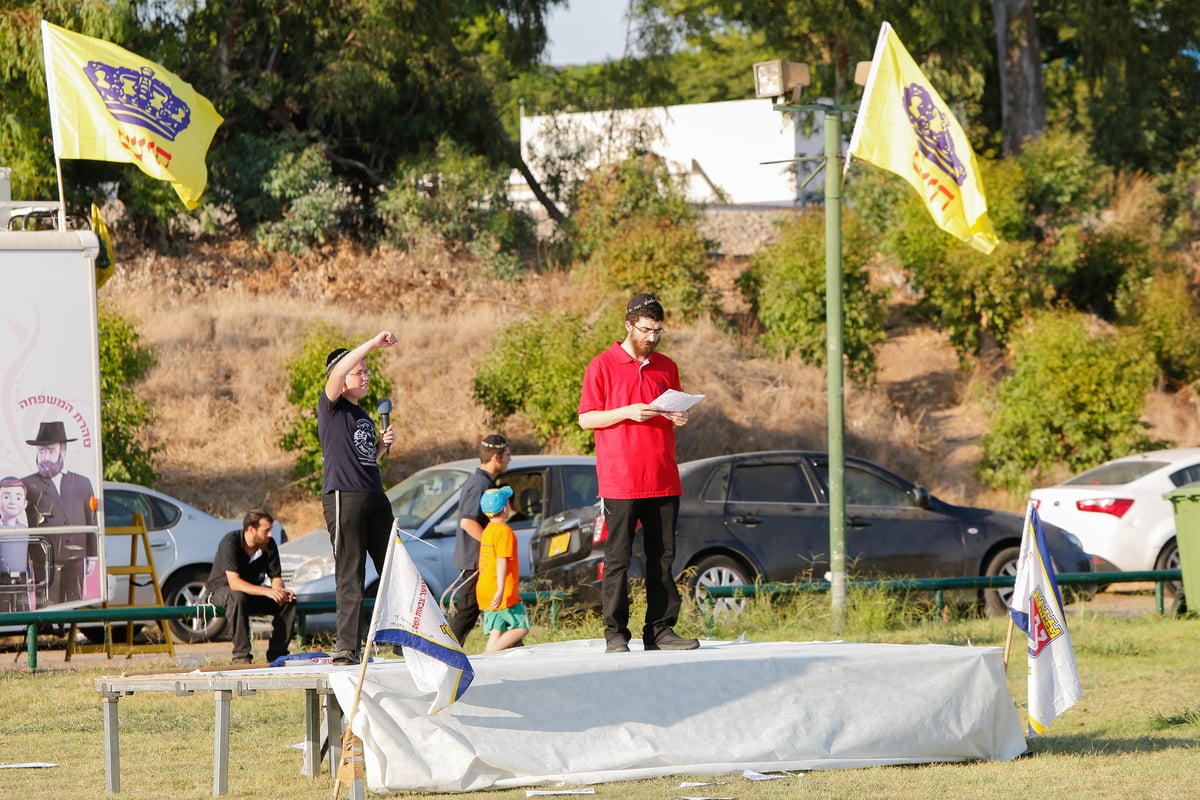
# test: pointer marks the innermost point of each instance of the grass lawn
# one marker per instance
(1134, 734)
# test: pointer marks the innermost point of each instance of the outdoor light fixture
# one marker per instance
(774, 79)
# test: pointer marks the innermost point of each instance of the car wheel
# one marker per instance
(1169, 559)
(720, 571)
(187, 588)
(1003, 564)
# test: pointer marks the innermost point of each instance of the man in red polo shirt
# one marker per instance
(639, 479)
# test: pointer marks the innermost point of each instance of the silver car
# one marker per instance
(426, 503)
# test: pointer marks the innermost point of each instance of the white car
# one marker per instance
(183, 540)
(426, 503)
(1118, 510)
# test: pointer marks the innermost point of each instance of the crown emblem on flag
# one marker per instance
(933, 132)
(137, 97)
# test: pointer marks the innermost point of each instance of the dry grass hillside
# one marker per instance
(223, 327)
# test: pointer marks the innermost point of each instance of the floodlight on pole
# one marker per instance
(777, 79)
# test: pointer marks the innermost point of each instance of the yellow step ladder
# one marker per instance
(162, 644)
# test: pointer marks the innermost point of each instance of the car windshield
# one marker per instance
(418, 496)
(1115, 473)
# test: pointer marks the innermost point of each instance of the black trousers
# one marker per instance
(657, 515)
(466, 607)
(359, 524)
(239, 607)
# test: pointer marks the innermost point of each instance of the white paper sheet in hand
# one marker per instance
(672, 400)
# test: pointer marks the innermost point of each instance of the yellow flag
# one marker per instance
(108, 104)
(904, 127)
(105, 261)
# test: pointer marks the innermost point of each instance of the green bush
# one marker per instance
(1063, 179)
(637, 232)
(1107, 259)
(1074, 398)
(1181, 200)
(124, 414)
(640, 187)
(656, 255)
(535, 369)
(305, 381)
(306, 193)
(458, 198)
(241, 171)
(1046, 206)
(975, 299)
(1164, 311)
(785, 284)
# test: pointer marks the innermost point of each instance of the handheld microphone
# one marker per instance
(385, 416)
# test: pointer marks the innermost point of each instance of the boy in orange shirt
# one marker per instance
(505, 622)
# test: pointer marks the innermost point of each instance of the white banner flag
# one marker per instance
(408, 615)
(1036, 608)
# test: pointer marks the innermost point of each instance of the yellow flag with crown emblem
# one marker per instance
(904, 127)
(108, 104)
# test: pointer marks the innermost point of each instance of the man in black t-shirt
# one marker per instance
(244, 558)
(494, 456)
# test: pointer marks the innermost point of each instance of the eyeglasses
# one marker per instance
(649, 331)
(362, 373)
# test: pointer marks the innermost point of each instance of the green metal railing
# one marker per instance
(309, 607)
(33, 620)
(939, 586)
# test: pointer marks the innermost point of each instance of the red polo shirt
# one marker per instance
(633, 459)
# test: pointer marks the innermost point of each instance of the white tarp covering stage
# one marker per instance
(570, 712)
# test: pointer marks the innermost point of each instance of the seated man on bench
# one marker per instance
(244, 558)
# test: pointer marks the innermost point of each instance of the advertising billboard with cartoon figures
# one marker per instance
(51, 470)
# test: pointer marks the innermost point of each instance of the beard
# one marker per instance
(642, 350)
(48, 469)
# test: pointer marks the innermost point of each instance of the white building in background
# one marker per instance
(738, 152)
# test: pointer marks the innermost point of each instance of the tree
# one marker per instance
(833, 36)
(371, 81)
(1126, 72)
(367, 82)
(1018, 54)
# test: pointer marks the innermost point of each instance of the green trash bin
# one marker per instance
(1186, 500)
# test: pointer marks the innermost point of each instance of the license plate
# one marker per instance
(559, 544)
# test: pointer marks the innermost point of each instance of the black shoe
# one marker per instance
(669, 640)
(345, 661)
(398, 650)
(239, 660)
(616, 646)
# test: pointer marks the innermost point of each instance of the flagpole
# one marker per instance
(62, 201)
(55, 132)
(1008, 642)
(349, 737)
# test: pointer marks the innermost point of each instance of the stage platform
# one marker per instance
(569, 712)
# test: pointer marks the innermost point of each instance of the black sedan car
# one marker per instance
(764, 516)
